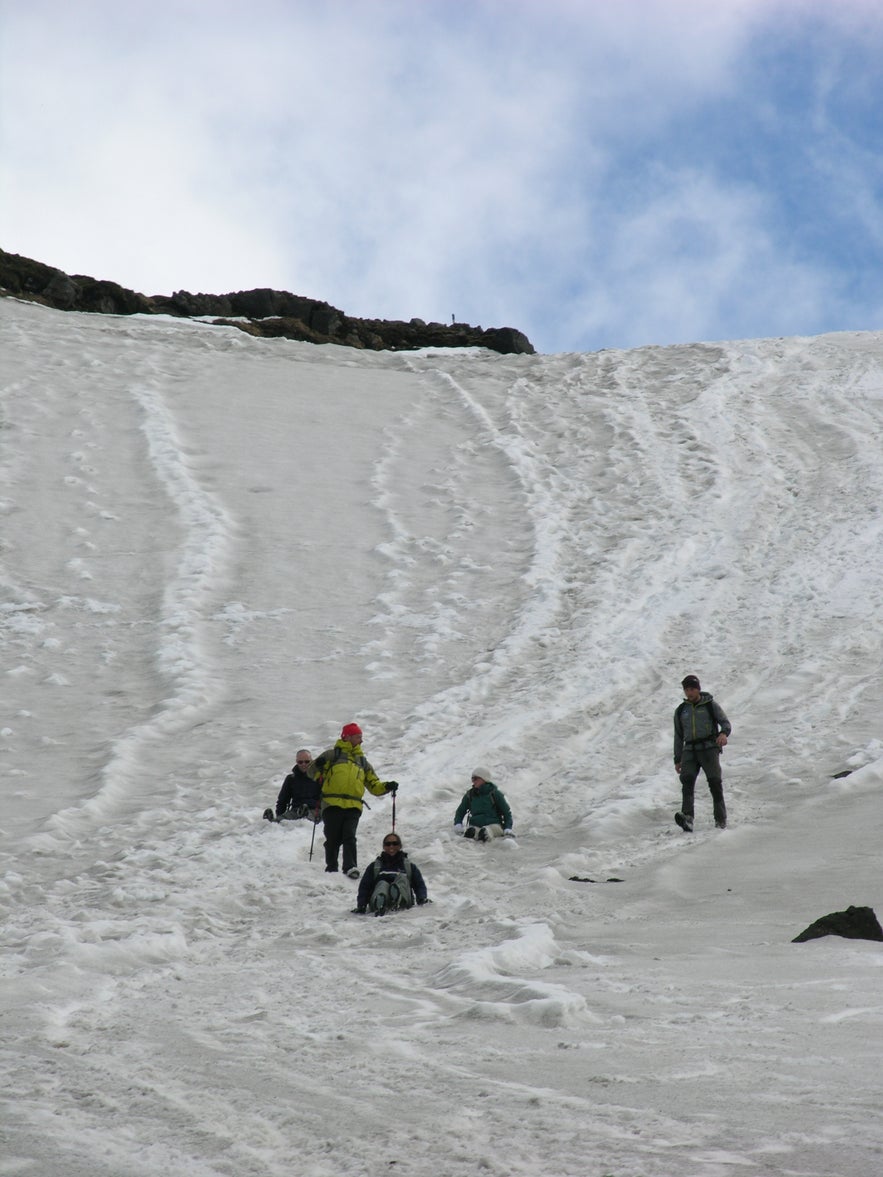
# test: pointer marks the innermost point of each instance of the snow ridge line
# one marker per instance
(542, 601)
(208, 529)
(183, 655)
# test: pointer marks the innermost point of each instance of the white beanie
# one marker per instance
(482, 772)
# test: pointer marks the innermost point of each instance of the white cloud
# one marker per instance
(670, 266)
(392, 158)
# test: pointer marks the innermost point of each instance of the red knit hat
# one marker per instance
(351, 732)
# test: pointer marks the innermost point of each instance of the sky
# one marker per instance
(501, 561)
(594, 174)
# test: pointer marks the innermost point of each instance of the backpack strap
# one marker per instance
(715, 726)
(335, 757)
(708, 704)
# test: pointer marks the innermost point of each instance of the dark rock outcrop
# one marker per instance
(21, 275)
(856, 923)
(262, 312)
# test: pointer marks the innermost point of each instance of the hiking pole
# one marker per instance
(313, 838)
(394, 811)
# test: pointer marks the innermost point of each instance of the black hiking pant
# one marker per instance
(340, 830)
(708, 758)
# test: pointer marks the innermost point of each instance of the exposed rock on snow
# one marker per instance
(856, 923)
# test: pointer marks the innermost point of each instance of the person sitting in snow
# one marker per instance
(299, 795)
(391, 881)
(489, 814)
(345, 774)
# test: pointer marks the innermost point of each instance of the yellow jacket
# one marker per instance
(345, 774)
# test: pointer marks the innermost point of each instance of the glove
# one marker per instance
(420, 902)
(509, 833)
(458, 827)
(359, 910)
(392, 786)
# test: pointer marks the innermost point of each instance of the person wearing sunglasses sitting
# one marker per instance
(299, 795)
(391, 882)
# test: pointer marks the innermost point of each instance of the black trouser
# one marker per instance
(340, 830)
(708, 758)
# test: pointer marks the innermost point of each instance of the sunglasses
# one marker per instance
(392, 843)
(303, 762)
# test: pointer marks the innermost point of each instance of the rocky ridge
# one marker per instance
(267, 313)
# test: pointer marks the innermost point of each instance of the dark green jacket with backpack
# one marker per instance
(698, 723)
(486, 806)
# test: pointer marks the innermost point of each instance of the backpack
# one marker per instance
(332, 757)
(392, 889)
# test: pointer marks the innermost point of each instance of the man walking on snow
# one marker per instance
(345, 774)
(701, 731)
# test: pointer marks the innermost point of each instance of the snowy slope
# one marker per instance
(216, 549)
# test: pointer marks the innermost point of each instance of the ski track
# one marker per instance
(482, 558)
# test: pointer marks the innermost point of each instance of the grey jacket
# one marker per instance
(699, 723)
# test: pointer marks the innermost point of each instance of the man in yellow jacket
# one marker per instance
(345, 774)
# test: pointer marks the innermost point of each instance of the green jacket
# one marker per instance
(486, 806)
(698, 723)
(345, 774)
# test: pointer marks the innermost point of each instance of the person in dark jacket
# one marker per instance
(391, 881)
(487, 809)
(701, 731)
(299, 795)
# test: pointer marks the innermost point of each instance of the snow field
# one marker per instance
(218, 549)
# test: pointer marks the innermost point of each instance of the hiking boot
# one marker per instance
(685, 821)
(380, 905)
(353, 872)
(269, 815)
(721, 825)
(482, 834)
(331, 870)
(470, 833)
